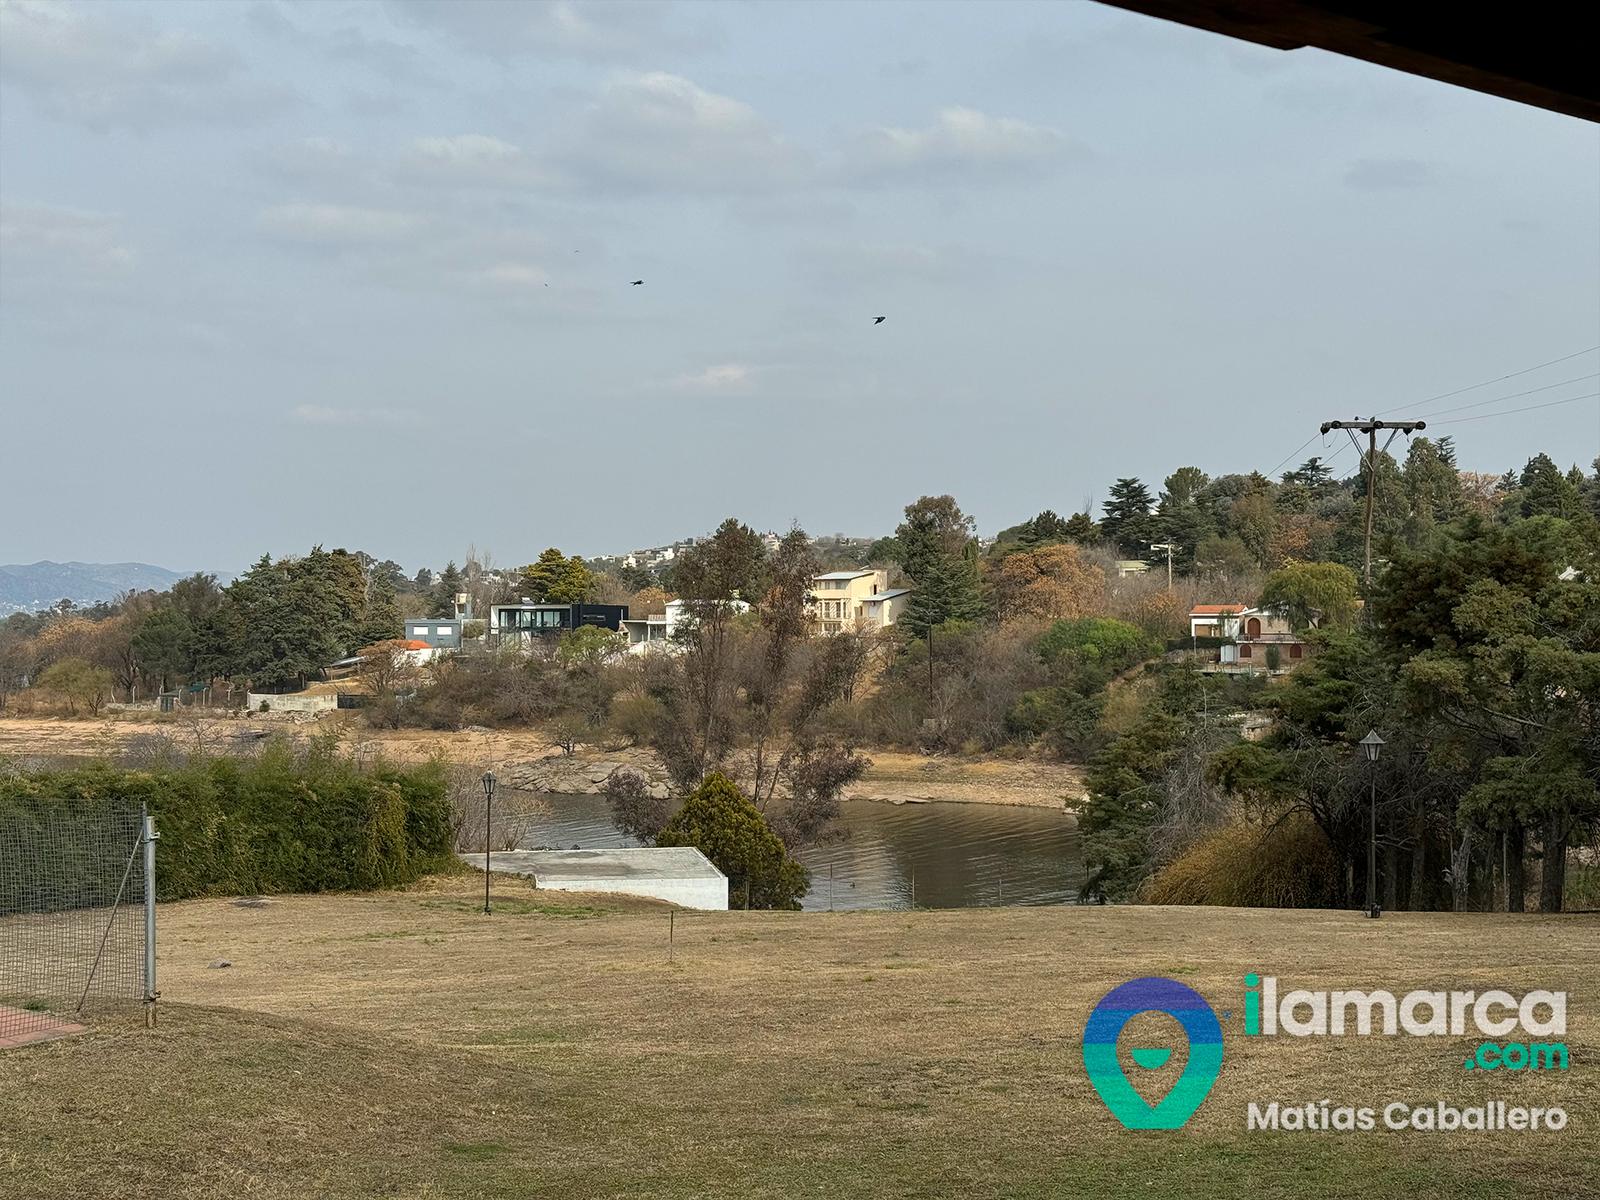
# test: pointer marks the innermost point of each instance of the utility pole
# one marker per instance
(1169, 548)
(1369, 462)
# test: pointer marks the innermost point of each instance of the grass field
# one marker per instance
(405, 1045)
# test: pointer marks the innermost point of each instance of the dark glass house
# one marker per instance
(520, 622)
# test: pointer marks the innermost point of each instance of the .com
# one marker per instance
(1517, 1056)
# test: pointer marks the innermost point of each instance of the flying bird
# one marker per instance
(637, 283)
(879, 320)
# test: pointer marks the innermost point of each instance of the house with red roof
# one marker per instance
(1256, 638)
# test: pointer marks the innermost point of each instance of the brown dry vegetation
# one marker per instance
(405, 1045)
(894, 775)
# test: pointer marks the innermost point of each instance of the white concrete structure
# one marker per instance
(655, 631)
(678, 874)
(295, 702)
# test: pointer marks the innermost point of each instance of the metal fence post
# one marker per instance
(150, 993)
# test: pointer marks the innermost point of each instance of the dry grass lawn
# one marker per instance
(405, 1045)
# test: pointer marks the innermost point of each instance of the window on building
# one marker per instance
(1295, 649)
(1252, 627)
(1244, 650)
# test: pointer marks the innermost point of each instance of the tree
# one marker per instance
(1053, 582)
(700, 698)
(557, 579)
(1545, 491)
(1253, 520)
(1313, 474)
(1126, 522)
(785, 624)
(1082, 529)
(934, 528)
(1500, 657)
(1312, 594)
(647, 601)
(726, 827)
(589, 646)
(386, 670)
(637, 809)
(1433, 486)
(287, 622)
(77, 685)
(1086, 654)
(380, 616)
(1182, 517)
(196, 597)
(731, 564)
(939, 553)
(946, 591)
(163, 645)
(442, 596)
(1222, 556)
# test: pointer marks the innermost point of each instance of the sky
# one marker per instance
(274, 275)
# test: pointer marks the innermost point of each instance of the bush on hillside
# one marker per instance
(277, 823)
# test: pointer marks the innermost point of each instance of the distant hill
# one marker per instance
(30, 587)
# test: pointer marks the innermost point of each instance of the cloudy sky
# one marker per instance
(274, 274)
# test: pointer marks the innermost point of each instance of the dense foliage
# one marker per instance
(719, 820)
(277, 823)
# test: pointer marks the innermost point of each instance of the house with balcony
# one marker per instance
(1255, 635)
(856, 601)
(657, 631)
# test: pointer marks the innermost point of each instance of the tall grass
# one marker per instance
(1288, 865)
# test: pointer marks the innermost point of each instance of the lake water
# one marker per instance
(953, 855)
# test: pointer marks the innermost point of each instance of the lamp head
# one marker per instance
(488, 783)
(1371, 744)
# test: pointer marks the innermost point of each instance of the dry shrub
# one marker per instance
(1289, 865)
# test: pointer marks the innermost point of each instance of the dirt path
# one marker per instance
(894, 776)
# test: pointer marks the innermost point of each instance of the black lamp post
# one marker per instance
(488, 805)
(1370, 746)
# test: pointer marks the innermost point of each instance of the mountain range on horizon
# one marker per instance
(30, 587)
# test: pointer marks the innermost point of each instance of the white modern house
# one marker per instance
(655, 632)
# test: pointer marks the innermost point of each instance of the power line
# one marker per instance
(1292, 453)
(1513, 396)
(1526, 408)
(1471, 387)
(1372, 427)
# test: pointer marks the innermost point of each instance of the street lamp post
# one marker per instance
(488, 807)
(1169, 548)
(1370, 746)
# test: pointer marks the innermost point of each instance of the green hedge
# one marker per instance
(277, 823)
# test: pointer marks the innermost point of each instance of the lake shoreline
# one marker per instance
(526, 758)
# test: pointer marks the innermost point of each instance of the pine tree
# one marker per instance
(1546, 491)
(557, 579)
(1126, 522)
(722, 824)
(947, 590)
(445, 589)
(940, 554)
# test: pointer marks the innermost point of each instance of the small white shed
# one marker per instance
(679, 874)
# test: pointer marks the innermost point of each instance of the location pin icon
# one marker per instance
(1119, 1006)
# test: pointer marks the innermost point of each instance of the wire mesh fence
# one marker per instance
(74, 925)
